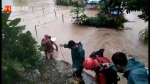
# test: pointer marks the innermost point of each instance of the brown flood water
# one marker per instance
(92, 38)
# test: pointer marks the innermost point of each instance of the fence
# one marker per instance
(32, 8)
(44, 15)
(43, 11)
(48, 23)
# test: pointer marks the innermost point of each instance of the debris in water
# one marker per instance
(53, 39)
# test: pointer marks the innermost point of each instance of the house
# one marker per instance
(92, 4)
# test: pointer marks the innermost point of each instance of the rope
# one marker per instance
(62, 53)
(36, 17)
(28, 13)
(68, 64)
(49, 22)
(44, 22)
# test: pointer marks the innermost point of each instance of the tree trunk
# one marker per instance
(118, 11)
(78, 10)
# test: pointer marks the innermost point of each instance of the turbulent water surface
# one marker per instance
(50, 21)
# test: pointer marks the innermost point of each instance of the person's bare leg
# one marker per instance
(45, 54)
(48, 55)
(45, 51)
(51, 55)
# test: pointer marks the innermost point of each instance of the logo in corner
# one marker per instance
(7, 9)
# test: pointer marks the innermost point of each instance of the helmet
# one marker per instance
(46, 35)
(89, 64)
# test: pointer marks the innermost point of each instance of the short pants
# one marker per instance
(48, 50)
(78, 74)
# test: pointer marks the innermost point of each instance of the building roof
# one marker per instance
(93, 1)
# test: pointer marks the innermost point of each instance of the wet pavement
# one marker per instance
(92, 38)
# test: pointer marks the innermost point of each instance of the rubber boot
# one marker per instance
(79, 81)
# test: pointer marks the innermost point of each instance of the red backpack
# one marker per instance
(104, 75)
(46, 42)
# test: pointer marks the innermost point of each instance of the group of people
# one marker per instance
(106, 73)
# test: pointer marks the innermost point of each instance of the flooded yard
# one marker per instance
(50, 22)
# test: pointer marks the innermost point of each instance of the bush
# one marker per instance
(67, 2)
(104, 21)
(62, 2)
(80, 20)
(19, 51)
(75, 3)
(144, 35)
(80, 16)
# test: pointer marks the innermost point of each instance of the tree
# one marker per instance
(19, 51)
(138, 5)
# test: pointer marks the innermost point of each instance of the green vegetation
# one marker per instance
(67, 2)
(19, 51)
(80, 17)
(102, 20)
(140, 6)
(144, 35)
(106, 19)
(132, 5)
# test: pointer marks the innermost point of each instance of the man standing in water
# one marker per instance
(134, 71)
(78, 56)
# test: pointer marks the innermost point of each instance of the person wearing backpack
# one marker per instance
(104, 75)
(133, 70)
(47, 43)
(53, 43)
(78, 56)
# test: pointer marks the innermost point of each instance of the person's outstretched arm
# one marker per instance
(55, 46)
(64, 45)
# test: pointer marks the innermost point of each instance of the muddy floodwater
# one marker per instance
(50, 22)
